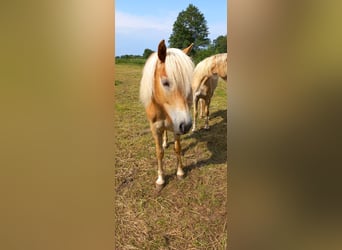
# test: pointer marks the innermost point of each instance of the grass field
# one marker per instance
(187, 214)
(130, 61)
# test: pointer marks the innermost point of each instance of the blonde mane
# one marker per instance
(221, 65)
(179, 68)
(213, 65)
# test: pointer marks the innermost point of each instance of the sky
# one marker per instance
(143, 24)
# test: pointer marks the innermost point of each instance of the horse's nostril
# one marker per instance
(182, 127)
(185, 127)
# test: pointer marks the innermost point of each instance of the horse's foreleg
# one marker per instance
(178, 149)
(157, 135)
(196, 99)
(207, 103)
(165, 139)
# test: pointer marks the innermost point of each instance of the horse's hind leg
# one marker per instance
(207, 104)
(157, 135)
(178, 149)
(165, 139)
(202, 107)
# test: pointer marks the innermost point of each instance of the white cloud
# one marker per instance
(125, 22)
(134, 33)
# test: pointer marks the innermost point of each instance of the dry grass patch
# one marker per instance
(186, 214)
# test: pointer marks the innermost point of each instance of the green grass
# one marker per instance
(186, 214)
(139, 61)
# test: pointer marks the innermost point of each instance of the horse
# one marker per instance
(165, 91)
(204, 82)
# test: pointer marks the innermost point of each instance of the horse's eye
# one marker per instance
(165, 83)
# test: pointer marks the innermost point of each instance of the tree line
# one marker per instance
(190, 27)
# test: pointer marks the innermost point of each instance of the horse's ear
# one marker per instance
(188, 49)
(162, 51)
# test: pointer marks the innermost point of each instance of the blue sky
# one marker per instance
(142, 24)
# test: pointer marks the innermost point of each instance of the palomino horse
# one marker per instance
(165, 91)
(204, 83)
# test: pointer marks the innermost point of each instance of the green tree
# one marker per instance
(147, 53)
(190, 27)
(220, 44)
(203, 53)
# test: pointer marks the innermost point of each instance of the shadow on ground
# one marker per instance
(216, 142)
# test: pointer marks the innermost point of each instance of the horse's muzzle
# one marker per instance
(185, 127)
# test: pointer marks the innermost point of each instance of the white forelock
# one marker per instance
(179, 68)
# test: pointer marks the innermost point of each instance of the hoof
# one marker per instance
(180, 177)
(206, 128)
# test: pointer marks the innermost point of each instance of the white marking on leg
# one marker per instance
(206, 126)
(160, 180)
(180, 172)
(194, 124)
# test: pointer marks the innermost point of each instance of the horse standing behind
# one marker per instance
(165, 91)
(204, 83)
